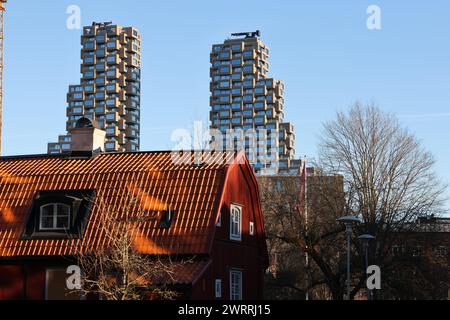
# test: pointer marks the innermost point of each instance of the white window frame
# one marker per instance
(252, 228)
(235, 233)
(218, 288)
(235, 295)
(55, 216)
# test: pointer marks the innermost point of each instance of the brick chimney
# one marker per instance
(87, 138)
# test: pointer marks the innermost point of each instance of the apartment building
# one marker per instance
(109, 89)
(247, 106)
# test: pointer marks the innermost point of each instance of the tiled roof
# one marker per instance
(187, 272)
(153, 178)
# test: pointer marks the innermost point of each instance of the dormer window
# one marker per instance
(54, 216)
(59, 214)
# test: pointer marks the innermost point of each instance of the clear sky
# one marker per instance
(321, 49)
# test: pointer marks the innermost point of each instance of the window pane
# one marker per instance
(62, 218)
(62, 222)
(47, 222)
(47, 211)
(63, 210)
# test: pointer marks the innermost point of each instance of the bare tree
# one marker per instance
(118, 271)
(379, 172)
(291, 235)
(388, 177)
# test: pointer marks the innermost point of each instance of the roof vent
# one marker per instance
(87, 138)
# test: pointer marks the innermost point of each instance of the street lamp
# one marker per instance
(349, 221)
(365, 239)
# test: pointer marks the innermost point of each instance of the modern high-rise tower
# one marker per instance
(109, 90)
(245, 99)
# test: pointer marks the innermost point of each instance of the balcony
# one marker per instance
(279, 90)
(88, 32)
(113, 45)
(112, 117)
(113, 59)
(224, 114)
(113, 74)
(89, 89)
(224, 55)
(288, 127)
(111, 145)
(112, 103)
(249, 55)
(249, 83)
(76, 96)
(224, 71)
(132, 90)
(249, 69)
(249, 114)
(260, 120)
(237, 120)
(75, 111)
(260, 91)
(112, 88)
(132, 118)
(289, 144)
(112, 131)
(260, 105)
(278, 106)
(130, 132)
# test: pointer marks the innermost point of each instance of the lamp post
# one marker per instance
(348, 221)
(365, 239)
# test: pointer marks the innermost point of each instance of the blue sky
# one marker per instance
(321, 49)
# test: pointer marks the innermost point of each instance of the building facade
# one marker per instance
(109, 90)
(247, 106)
(208, 216)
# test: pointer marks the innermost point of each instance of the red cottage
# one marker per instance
(215, 219)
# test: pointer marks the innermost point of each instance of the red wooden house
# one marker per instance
(216, 218)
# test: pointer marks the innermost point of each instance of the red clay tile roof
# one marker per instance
(187, 272)
(193, 192)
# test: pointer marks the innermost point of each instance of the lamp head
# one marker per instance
(366, 237)
(349, 219)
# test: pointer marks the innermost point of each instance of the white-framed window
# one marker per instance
(235, 284)
(236, 222)
(218, 288)
(252, 228)
(219, 221)
(54, 216)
